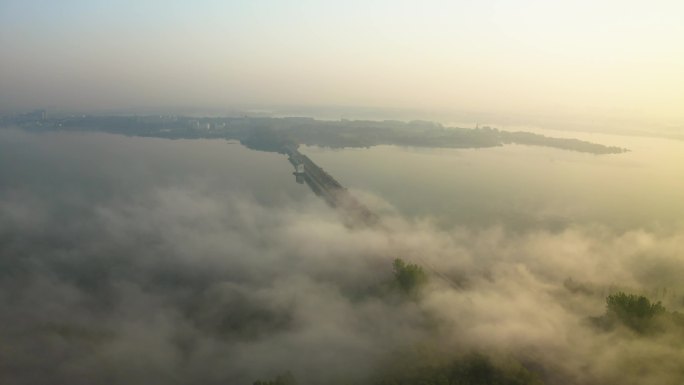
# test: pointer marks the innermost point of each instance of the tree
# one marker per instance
(409, 278)
(471, 369)
(635, 312)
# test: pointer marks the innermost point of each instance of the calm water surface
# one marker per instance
(522, 186)
(516, 186)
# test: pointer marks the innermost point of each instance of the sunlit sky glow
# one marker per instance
(612, 58)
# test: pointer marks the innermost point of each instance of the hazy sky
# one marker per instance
(603, 58)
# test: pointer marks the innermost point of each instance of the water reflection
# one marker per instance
(521, 186)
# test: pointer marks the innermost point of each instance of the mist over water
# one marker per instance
(139, 260)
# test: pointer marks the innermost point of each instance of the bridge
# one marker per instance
(353, 212)
(326, 187)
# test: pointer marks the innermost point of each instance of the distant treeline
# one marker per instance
(273, 134)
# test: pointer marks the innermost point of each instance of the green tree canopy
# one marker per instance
(409, 278)
(472, 369)
(635, 312)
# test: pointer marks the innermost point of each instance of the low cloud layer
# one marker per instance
(122, 262)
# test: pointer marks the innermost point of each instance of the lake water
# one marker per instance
(522, 186)
(105, 167)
